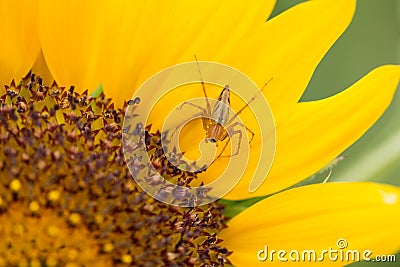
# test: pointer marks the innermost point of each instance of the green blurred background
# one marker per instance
(373, 39)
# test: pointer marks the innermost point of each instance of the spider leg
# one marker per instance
(184, 122)
(203, 86)
(248, 103)
(247, 129)
(235, 132)
(194, 105)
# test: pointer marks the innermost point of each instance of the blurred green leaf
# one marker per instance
(233, 208)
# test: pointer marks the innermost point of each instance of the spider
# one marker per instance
(217, 122)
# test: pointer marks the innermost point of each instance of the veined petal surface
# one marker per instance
(315, 217)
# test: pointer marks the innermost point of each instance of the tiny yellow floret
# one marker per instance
(99, 218)
(51, 261)
(15, 185)
(35, 263)
(34, 206)
(53, 230)
(126, 258)
(73, 254)
(108, 247)
(75, 218)
(53, 195)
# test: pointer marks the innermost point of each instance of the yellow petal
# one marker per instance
(121, 44)
(19, 44)
(316, 132)
(40, 68)
(315, 217)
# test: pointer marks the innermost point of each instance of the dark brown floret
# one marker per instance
(67, 197)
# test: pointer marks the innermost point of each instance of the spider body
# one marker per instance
(214, 127)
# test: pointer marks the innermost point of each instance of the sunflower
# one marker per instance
(84, 203)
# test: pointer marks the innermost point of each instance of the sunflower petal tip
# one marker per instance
(395, 69)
